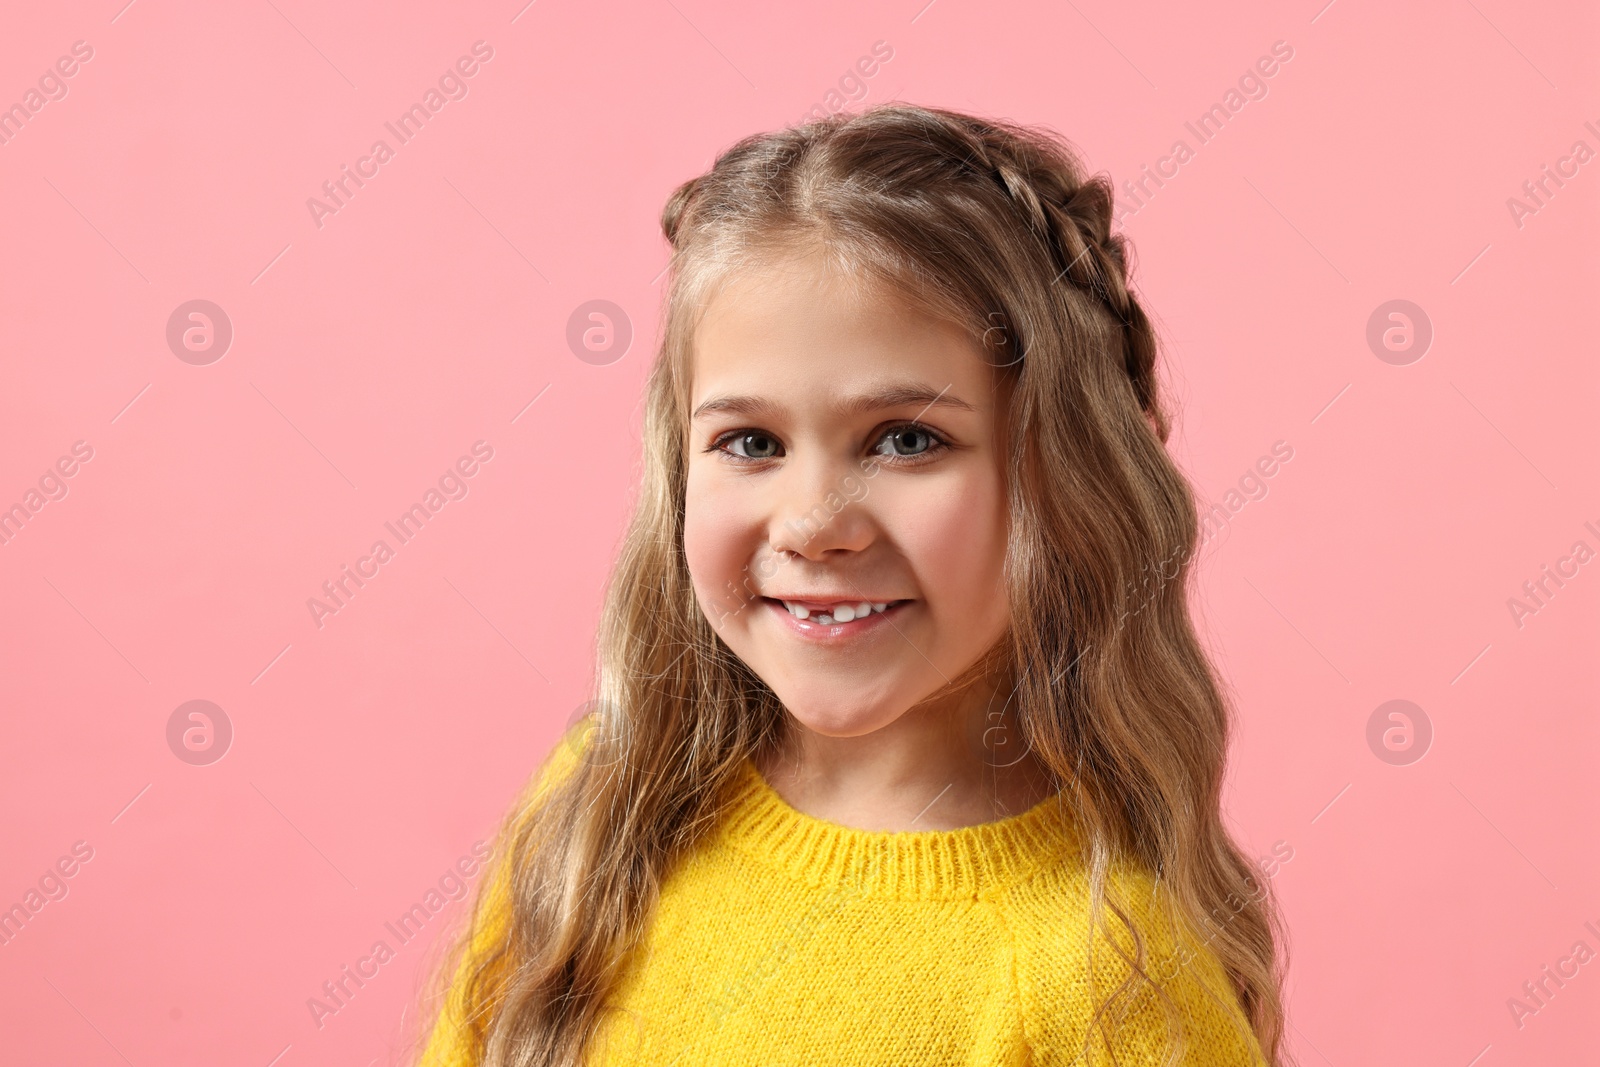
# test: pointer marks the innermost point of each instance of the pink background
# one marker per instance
(429, 312)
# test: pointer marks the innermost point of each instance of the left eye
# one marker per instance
(905, 441)
(752, 446)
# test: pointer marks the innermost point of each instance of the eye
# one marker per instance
(908, 441)
(749, 444)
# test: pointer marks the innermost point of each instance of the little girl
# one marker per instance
(906, 752)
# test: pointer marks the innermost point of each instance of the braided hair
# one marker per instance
(1073, 219)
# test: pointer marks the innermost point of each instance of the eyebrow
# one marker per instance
(891, 396)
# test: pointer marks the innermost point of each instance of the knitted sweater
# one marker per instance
(785, 939)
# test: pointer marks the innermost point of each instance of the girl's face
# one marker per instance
(845, 520)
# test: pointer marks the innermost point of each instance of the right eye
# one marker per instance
(750, 445)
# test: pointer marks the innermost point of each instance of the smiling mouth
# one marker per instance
(828, 613)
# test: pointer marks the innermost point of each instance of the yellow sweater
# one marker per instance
(785, 939)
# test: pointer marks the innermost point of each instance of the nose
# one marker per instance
(817, 510)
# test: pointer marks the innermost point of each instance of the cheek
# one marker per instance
(956, 541)
(716, 540)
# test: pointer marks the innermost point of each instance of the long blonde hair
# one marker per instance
(998, 228)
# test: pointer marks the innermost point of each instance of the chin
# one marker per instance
(823, 711)
(838, 701)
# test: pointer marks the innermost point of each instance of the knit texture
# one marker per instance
(785, 939)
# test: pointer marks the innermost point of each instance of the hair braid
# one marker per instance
(1072, 216)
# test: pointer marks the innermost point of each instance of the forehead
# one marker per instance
(801, 329)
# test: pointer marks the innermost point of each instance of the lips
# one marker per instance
(826, 613)
(830, 612)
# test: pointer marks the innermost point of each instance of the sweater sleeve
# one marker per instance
(1059, 990)
(447, 1044)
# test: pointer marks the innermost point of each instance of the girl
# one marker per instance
(905, 751)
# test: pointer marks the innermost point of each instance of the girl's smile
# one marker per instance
(834, 618)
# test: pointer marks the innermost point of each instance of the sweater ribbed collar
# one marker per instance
(966, 863)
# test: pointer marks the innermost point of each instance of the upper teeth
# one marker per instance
(837, 613)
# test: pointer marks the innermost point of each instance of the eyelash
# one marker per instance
(937, 444)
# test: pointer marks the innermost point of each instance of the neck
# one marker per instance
(956, 759)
